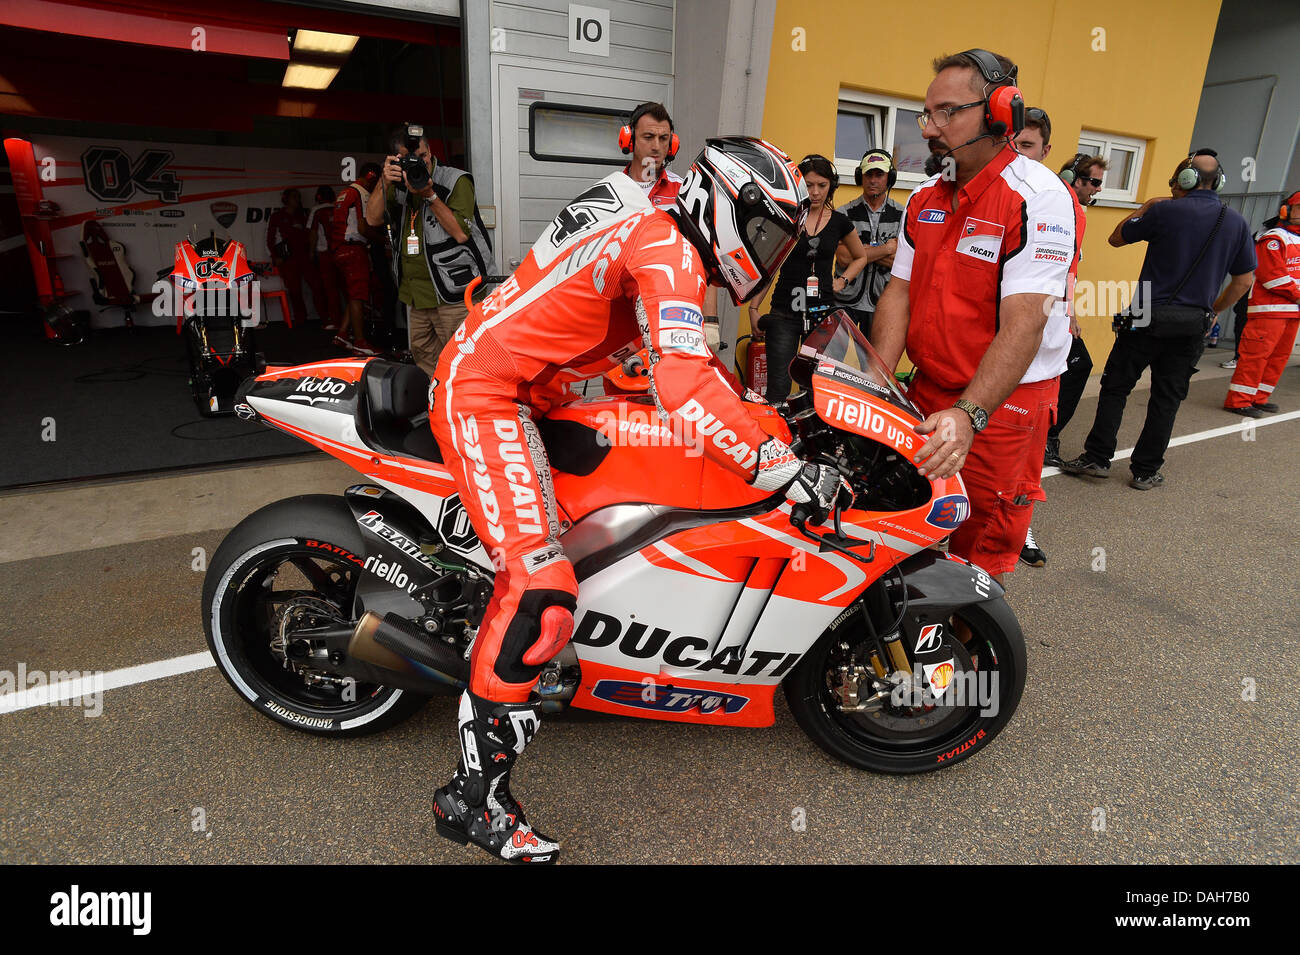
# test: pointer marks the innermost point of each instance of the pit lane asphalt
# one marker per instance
(1133, 706)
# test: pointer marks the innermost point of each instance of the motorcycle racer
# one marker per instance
(609, 275)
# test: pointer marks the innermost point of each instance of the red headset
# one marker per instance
(1004, 108)
(1284, 209)
(625, 133)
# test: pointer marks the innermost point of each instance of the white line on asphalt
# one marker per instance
(1246, 425)
(97, 682)
(70, 689)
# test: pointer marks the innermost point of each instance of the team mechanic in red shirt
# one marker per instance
(650, 138)
(350, 241)
(982, 260)
(611, 273)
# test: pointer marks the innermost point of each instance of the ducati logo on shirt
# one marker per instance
(981, 240)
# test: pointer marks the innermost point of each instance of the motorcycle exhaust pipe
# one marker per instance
(394, 645)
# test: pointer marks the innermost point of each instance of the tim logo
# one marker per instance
(666, 699)
(948, 512)
(932, 215)
(677, 315)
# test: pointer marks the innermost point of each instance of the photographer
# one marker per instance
(1193, 241)
(439, 242)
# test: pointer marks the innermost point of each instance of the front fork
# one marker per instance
(941, 585)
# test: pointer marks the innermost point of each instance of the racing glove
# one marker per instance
(815, 485)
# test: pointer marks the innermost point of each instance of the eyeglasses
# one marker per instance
(813, 242)
(943, 115)
(1092, 179)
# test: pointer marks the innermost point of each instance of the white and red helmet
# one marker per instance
(742, 205)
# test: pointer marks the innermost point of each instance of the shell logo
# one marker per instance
(941, 677)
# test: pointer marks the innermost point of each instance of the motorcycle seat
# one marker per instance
(393, 410)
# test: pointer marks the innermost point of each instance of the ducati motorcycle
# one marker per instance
(698, 597)
(209, 276)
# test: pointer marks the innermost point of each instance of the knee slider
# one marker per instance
(535, 635)
(556, 626)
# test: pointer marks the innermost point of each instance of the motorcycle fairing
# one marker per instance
(393, 564)
(625, 453)
(842, 404)
(939, 583)
(207, 269)
(609, 689)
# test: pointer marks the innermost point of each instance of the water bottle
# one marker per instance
(1214, 335)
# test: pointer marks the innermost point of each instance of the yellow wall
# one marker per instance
(1145, 84)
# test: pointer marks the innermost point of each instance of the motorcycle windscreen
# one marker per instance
(836, 349)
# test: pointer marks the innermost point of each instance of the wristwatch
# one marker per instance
(979, 418)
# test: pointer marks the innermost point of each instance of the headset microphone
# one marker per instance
(935, 162)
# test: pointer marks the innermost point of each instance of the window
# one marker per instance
(1125, 154)
(872, 121)
(560, 133)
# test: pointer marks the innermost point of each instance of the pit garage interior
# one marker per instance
(146, 122)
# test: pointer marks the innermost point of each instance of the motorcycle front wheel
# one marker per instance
(892, 738)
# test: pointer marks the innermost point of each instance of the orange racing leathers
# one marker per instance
(609, 275)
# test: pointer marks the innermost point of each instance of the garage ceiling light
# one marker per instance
(314, 41)
(309, 77)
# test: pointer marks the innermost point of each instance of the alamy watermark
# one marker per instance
(938, 685)
(26, 688)
(243, 301)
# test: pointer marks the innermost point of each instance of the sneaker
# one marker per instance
(363, 347)
(1248, 411)
(1230, 363)
(1084, 466)
(342, 342)
(1052, 454)
(1267, 406)
(1145, 482)
(1031, 553)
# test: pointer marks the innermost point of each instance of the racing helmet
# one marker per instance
(742, 205)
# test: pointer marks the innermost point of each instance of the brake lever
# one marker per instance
(836, 541)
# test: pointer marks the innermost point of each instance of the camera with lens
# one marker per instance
(417, 174)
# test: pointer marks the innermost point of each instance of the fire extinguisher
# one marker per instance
(755, 375)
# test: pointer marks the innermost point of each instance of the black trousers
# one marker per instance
(1172, 361)
(782, 333)
(1078, 366)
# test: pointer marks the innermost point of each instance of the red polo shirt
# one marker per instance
(662, 193)
(1013, 233)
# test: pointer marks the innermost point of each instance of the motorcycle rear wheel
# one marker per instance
(996, 645)
(262, 567)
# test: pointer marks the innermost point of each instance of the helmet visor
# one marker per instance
(768, 241)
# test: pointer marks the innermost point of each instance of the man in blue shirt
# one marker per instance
(1176, 229)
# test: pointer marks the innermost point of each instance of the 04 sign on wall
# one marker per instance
(588, 30)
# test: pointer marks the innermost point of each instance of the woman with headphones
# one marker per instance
(806, 285)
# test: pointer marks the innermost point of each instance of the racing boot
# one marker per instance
(476, 806)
